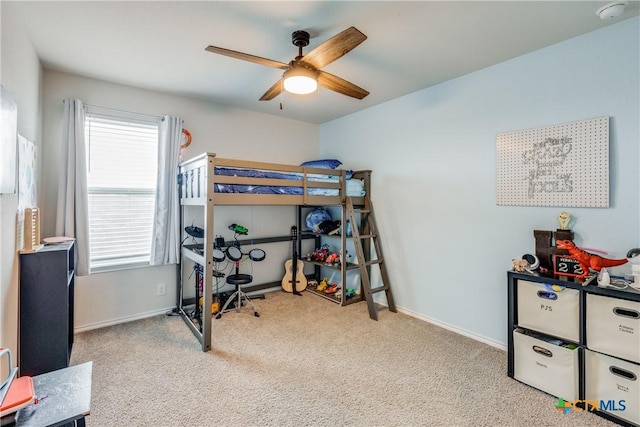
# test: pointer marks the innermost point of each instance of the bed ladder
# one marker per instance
(362, 237)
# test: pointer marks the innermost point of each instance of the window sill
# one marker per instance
(97, 268)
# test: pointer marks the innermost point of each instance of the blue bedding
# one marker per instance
(355, 187)
(258, 173)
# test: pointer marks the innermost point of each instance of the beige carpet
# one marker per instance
(306, 362)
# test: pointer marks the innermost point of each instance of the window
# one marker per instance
(122, 153)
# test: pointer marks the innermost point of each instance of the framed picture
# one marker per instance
(8, 142)
(565, 165)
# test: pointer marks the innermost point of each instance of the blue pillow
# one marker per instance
(316, 216)
(323, 164)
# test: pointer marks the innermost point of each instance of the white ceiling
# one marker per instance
(159, 45)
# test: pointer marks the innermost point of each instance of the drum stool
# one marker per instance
(238, 280)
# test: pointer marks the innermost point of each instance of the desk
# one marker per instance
(65, 398)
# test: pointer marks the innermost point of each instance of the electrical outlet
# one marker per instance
(161, 289)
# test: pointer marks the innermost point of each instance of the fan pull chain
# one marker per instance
(281, 91)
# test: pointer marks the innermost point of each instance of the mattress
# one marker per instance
(355, 187)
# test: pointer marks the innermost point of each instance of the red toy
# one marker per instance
(333, 258)
(320, 254)
(587, 260)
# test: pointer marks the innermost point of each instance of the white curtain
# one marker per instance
(165, 245)
(72, 218)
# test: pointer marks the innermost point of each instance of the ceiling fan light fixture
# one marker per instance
(304, 73)
(300, 80)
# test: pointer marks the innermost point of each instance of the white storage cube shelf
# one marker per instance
(613, 326)
(614, 384)
(545, 366)
(542, 309)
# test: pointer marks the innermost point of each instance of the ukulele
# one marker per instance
(293, 269)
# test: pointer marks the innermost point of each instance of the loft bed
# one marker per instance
(242, 182)
(209, 181)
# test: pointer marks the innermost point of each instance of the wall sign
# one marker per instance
(563, 165)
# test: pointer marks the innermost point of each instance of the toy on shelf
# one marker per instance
(564, 218)
(323, 284)
(324, 254)
(588, 260)
(319, 254)
(334, 259)
(520, 265)
(634, 259)
(332, 289)
(529, 264)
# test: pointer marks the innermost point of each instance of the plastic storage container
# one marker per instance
(551, 310)
(613, 326)
(546, 365)
(614, 384)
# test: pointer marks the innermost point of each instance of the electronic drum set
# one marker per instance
(234, 254)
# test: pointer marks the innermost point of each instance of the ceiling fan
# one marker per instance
(303, 74)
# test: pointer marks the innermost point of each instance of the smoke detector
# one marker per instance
(612, 10)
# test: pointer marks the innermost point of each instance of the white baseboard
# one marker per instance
(139, 316)
(446, 326)
(125, 319)
(413, 314)
(452, 328)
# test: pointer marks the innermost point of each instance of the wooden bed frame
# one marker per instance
(197, 179)
(195, 185)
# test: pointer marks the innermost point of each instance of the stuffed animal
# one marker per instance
(520, 265)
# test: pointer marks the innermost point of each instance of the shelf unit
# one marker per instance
(365, 236)
(343, 268)
(584, 313)
(46, 308)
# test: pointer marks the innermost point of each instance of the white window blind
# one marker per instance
(122, 152)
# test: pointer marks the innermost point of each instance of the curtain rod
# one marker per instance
(106, 109)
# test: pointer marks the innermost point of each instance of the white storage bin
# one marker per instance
(545, 366)
(555, 313)
(613, 326)
(614, 384)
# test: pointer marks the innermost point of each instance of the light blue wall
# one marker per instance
(447, 244)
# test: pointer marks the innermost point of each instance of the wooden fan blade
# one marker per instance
(336, 84)
(334, 48)
(247, 57)
(272, 92)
